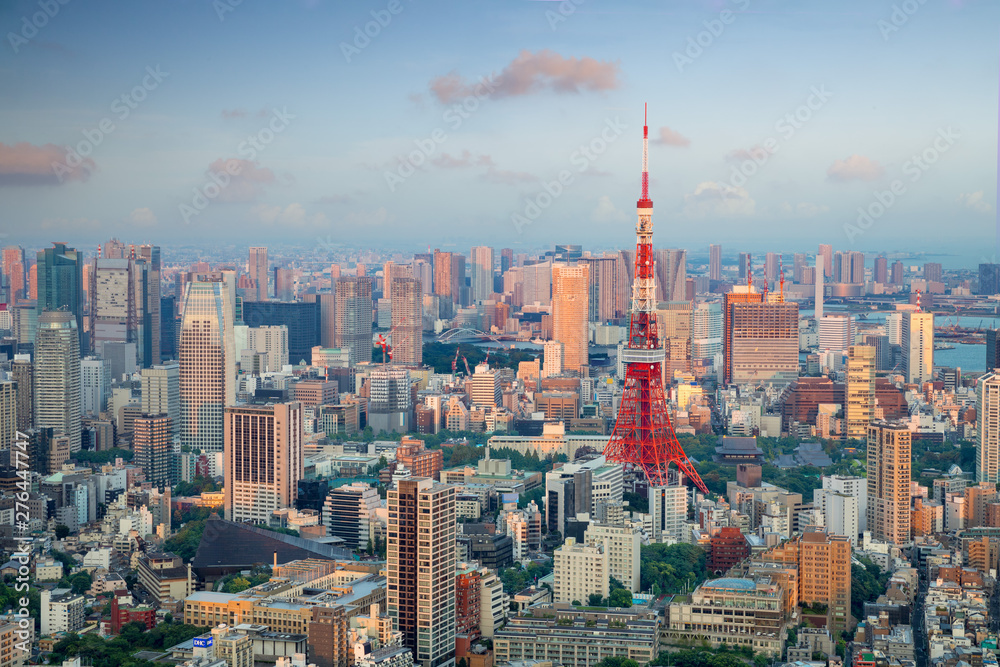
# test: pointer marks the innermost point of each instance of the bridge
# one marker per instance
(461, 335)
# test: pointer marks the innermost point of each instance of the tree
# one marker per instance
(595, 600)
(462, 662)
(620, 598)
(672, 567)
(617, 661)
(62, 531)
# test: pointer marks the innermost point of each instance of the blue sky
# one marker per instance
(330, 126)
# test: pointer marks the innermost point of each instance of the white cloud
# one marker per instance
(142, 217)
(718, 199)
(975, 201)
(606, 211)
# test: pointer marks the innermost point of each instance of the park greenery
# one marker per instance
(672, 568)
(517, 578)
(196, 487)
(103, 457)
(237, 583)
(440, 356)
(868, 581)
(184, 542)
(119, 651)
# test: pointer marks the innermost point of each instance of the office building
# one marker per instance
(421, 566)
(671, 274)
(486, 390)
(354, 318)
(889, 461)
(552, 358)
(481, 273)
(8, 414)
(407, 336)
(301, 318)
(880, 274)
(348, 513)
(668, 511)
(706, 331)
(608, 290)
(151, 442)
(933, 272)
(95, 385)
(13, 269)
(207, 365)
(271, 343)
(674, 328)
(715, 262)
(161, 393)
(860, 388)
(263, 459)
(121, 307)
(257, 270)
(389, 399)
(918, 346)
(763, 342)
(988, 428)
(570, 286)
(992, 349)
(739, 294)
(840, 511)
(59, 278)
(836, 333)
(56, 382)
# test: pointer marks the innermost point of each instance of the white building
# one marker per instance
(852, 486)
(580, 571)
(621, 544)
(918, 346)
(988, 428)
(95, 385)
(62, 611)
(552, 363)
(668, 508)
(840, 512)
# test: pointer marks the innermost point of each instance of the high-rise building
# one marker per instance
(771, 266)
(988, 428)
(13, 269)
(706, 331)
(60, 282)
(22, 372)
(354, 317)
(552, 360)
(881, 272)
(481, 273)
(739, 294)
(764, 342)
(570, 314)
(580, 570)
(820, 290)
(257, 268)
(263, 459)
(486, 390)
(161, 394)
(897, 273)
(207, 364)
(95, 385)
(857, 488)
(836, 333)
(992, 349)
(407, 321)
(8, 414)
(917, 340)
(460, 294)
(860, 390)
(421, 566)
(674, 323)
(271, 342)
(442, 273)
(506, 259)
(621, 543)
(826, 252)
(349, 511)
(668, 509)
(745, 267)
(889, 461)
(798, 268)
(151, 312)
(120, 307)
(151, 443)
(825, 575)
(389, 399)
(301, 318)
(715, 262)
(933, 272)
(56, 383)
(608, 290)
(671, 274)
(284, 284)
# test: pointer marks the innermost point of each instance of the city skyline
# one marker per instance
(571, 77)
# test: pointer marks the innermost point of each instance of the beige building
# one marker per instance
(8, 414)
(486, 387)
(621, 544)
(263, 459)
(735, 612)
(257, 269)
(207, 364)
(57, 375)
(988, 428)
(15, 644)
(165, 576)
(407, 340)
(580, 571)
(764, 342)
(889, 461)
(570, 308)
(860, 390)
(421, 564)
(918, 346)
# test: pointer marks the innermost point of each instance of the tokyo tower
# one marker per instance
(643, 435)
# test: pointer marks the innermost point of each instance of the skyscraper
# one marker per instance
(8, 414)
(881, 272)
(263, 453)
(151, 312)
(13, 270)
(764, 342)
(354, 317)
(506, 259)
(715, 262)
(706, 331)
(671, 274)
(257, 268)
(889, 463)
(918, 346)
(569, 313)
(481, 258)
(860, 390)
(988, 428)
(739, 294)
(606, 293)
(836, 332)
(992, 349)
(60, 282)
(897, 272)
(151, 443)
(442, 273)
(820, 290)
(421, 565)
(798, 267)
(120, 307)
(459, 290)
(389, 401)
(407, 321)
(57, 375)
(771, 266)
(674, 322)
(933, 272)
(161, 394)
(207, 364)
(826, 252)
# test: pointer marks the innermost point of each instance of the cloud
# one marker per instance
(975, 201)
(855, 168)
(27, 164)
(466, 159)
(718, 199)
(336, 199)
(494, 175)
(755, 152)
(670, 137)
(248, 182)
(606, 211)
(531, 73)
(293, 214)
(802, 209)
(142, 217)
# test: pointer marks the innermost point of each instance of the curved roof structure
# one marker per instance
(737, 584)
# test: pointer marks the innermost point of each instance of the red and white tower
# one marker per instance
(643, 436)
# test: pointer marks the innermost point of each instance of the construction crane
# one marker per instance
(454, 362)
(466, 362)
(386, 348)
